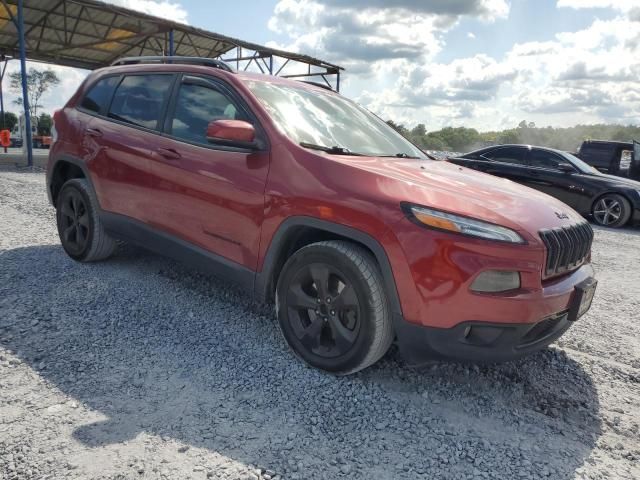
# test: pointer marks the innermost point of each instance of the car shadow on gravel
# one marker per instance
(158, 348)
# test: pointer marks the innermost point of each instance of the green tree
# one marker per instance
(398, 128)
(10, 121)
(38, 83)
(45, 122)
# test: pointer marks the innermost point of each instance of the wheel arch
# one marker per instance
(612, 192)
(65, 168)
(297, 232)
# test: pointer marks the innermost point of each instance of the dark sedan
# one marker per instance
(611, 201)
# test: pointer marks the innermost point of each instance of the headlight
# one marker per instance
(457, 224)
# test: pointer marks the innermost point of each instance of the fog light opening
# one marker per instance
(467, 332)
(496, 281)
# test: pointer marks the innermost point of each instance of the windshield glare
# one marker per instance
(329, 120)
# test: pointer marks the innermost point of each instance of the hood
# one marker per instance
(445, 186)
(620, 182)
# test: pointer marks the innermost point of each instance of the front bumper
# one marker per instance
(501, 340)
(480, 341)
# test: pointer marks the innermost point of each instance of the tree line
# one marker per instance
(462, 139)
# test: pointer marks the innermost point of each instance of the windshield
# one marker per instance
(324, 119)
(579, 164)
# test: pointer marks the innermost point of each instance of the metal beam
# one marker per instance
(25, 91)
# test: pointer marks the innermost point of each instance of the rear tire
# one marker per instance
(332, 307)
(81, 233)
(611, 210)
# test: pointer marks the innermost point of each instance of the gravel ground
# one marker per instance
(141, 368)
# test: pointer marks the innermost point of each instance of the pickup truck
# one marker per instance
(614, 158)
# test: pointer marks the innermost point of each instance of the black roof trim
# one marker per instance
(318, 84)
(207, 62)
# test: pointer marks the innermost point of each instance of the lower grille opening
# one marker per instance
(541, 330)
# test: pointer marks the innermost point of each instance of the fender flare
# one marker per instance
(78, 163)
(263, 284)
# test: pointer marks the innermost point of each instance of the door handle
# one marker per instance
(93, 132)
(169, 153)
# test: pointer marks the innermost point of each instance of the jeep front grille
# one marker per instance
(567, 247)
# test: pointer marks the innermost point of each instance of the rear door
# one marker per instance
(208, 194)
(506, 162)
(598, 155)
(122, 137)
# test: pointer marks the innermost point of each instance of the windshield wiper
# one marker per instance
(396, 155)
(335, 150)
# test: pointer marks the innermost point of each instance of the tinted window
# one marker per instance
(196, 106)
(506, 155)
(543, 159)
(139, 99)
(97, 97)
(598, 147)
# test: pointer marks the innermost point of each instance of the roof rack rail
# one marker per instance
(317, 84)
(207, 62)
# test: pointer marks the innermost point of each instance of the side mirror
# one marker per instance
(566, 168)
(231, 132)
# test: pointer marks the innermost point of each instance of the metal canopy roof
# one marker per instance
(90, 34)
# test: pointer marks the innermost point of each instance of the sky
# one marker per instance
(486, 64)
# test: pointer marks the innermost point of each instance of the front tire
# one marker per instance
(332, 307)
(81, 233)
(611, 210)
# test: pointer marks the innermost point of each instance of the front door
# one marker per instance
(544, 175)
(208, 194)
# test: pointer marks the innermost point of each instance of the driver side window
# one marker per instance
(543, 159)
(196, 106)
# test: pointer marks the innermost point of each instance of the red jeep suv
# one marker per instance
(309, 200)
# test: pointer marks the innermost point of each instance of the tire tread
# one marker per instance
(383, 333)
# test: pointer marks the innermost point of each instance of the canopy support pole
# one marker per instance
(28, 141)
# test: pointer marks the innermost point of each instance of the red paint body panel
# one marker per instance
(232, 204)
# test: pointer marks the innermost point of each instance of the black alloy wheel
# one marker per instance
(611, 210)
(332, 307)
(81, 232)
(324, 311)
(74, 221)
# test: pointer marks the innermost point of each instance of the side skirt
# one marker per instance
(142, 235)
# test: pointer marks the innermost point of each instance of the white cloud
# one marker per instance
(163, 9)
(624, 5)
(359, 33)
(471, 35)
(583, 76)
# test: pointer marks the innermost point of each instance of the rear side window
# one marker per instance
(97, 97)
(507, 155)
(139, 99)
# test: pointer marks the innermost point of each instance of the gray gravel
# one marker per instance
(141, 368)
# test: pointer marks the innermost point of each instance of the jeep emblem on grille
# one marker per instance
(561, 215)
